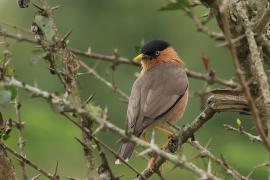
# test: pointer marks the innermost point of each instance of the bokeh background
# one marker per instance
(104, 26)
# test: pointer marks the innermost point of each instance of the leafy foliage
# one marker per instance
(8, 71)
(238, 122)
(13, 91)
(95, 110)
(45, 24)
(178, 5)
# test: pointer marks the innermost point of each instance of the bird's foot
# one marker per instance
(192, 137)
(173, 143)
(151, 163)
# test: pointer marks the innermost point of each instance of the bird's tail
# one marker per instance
(125, 151)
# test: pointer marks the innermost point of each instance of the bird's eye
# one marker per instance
(157, 53)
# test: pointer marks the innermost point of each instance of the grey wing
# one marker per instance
(163, 87)
(134, 105)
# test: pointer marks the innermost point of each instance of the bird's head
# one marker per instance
(156, 52)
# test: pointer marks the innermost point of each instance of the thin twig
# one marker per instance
(122, 60)
(221, 162)
(257, 167)
(71, 67)
(262, 22)
(16, 27)
(241, 131)
(21, 140)
(103, 145)
(107, 83)
(203, 28)
(30, 163)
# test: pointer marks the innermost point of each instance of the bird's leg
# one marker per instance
(167, 131)
(170, 134)
(144, 137)
(151, 162)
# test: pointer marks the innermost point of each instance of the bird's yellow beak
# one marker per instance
(139, 57)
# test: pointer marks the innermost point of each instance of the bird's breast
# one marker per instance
(175, 113)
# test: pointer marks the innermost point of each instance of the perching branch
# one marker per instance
(67, 106)
(217, 103)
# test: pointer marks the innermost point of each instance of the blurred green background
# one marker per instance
(105, 25)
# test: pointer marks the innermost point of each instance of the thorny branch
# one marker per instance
(90, 135)
(202, 28)
(185, 135)
(221, 162)
(239, 72)
(121, 60)
(6, 169)
(30, 163)
(216, 103)
(21, 141)
(240, 130)
(107, 83)
(71, 65)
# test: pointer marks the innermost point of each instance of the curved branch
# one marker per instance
(122, 60)
(215, 105)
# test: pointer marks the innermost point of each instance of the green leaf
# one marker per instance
(37, 55)
(252, 4)
(75, 94)
(179, 5)
(5, 136)
(46, 25)
(13, 91)
(95, 110)
(238, 122)
(8, 71)
(5, 97)
(251, 138)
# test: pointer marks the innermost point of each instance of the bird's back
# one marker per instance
(154, 94)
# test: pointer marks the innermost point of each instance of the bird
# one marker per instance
(159, 95)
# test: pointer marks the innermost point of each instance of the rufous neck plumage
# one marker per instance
(167, 55)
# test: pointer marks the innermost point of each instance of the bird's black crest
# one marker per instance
(155, 45)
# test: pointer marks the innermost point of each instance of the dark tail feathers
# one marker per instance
(126, 150)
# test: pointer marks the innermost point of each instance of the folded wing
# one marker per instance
(154, 94)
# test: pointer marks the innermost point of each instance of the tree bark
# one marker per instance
(7, 171)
